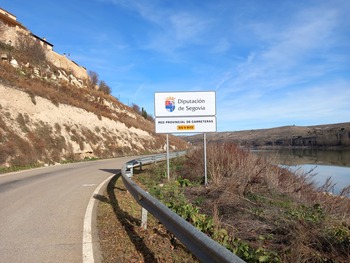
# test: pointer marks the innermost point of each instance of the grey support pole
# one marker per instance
(144, 214)
(205, 159)
(167, 156)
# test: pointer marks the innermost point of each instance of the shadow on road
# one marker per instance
(112, 171)
(128, 222)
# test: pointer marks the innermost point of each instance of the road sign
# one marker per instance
(186, 124)
(185, 112)
(175, 104)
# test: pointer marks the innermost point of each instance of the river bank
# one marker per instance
(324, 163)
(303, 155)
(257, 209)
(318, 136)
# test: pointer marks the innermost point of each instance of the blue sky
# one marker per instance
(271, 63)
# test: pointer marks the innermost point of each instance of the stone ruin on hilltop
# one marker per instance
(11, 31)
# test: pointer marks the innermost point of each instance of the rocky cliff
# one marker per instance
(52, 111)
(46, 119)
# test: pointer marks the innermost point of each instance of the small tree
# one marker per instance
(136, 108)
(93, 79)
(104, 87)
(5, 45)
(30, 49)
(144, 113)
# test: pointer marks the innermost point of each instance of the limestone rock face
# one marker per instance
(4, 57)
(34, 129)
(14, 63)
(12, 35)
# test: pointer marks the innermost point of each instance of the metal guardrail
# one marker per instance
(129, 166)
(202, 246)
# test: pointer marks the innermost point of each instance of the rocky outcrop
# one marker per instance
(11, 36)
(46, 73)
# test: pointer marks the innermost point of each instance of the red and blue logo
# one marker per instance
(170, 104)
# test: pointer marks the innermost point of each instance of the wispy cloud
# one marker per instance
(186, 26)
(293, 55)
(177, 28)
(224, 78)
(277, 81)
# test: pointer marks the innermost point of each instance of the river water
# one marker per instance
(321, 163)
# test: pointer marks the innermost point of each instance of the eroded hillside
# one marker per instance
(46, 118)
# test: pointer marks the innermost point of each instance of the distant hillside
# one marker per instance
(331, 135)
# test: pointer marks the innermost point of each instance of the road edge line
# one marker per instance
(88, 252)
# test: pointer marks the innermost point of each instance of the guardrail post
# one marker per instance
(144, 214)
(167, 157)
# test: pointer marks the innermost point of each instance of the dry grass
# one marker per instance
(271, 207)
(64, 93)
(48, 145)
(122, 239)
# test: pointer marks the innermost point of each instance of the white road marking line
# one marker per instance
(88, 252)
(89, 184)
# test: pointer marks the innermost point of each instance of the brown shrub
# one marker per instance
(58, 128)
(30, 50)
(7, 149)
(271, 207)
(22, 123)
(90, 136)
(24, 153)
(231, 167)
(3, 124)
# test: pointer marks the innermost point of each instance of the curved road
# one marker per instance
(42, 210)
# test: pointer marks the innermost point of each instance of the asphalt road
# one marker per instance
(42, 210)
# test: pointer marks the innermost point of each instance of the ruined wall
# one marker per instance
(10, 35)
(68, 65)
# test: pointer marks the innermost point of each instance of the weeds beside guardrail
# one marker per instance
(202, 246)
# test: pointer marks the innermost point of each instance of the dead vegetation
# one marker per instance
(261, 212)
(270, 207)
(122, 239)
(36, 143)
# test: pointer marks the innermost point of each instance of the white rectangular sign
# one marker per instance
(175, 104)
(185, 124)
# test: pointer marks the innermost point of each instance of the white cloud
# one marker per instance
(324, 103)
(295, 55)
(186, 26)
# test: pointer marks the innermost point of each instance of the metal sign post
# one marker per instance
(167, 157)
(205, 159)
(185, 112)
